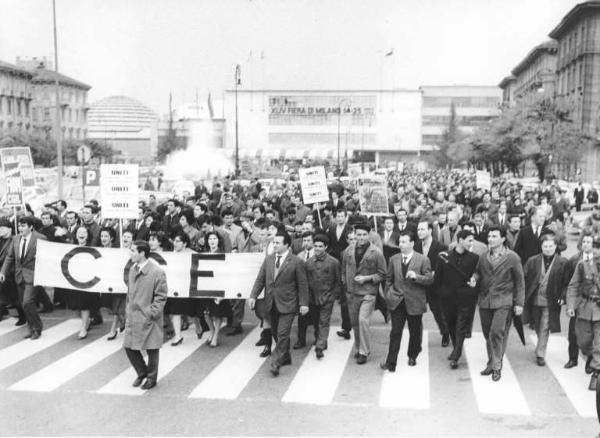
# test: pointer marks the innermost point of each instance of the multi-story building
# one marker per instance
(127, 125)
(507, 85)
(16, 93)
(474, 106)
(535, 74)
(327, 125)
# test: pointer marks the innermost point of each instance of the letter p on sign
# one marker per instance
(91, 177)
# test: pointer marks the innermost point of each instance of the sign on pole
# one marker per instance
(18, 160)
(119, 190)
(313, 184)
(483, 180)
(91, 176)
(83, 154)
(373, 196)
(14, 191)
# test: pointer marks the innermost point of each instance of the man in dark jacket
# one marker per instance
(499, 275)
(457, 292)
(528, 240)
(8, 290)
(545, 285)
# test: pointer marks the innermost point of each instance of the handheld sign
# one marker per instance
(483, 180)
(18, 160)
(373, 196)
(14, 191)
(119, 190)
(313, 184)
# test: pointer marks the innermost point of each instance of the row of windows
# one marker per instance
(322, 119)
(463, 102)
(430, 139)
(569, 43)
(314, 138)
(67, 95)
(14, 106)
(571, 78)
(460, 120)
(21, 128)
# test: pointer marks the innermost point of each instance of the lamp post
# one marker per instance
(58, 134)
(338, 131)
(238, 72)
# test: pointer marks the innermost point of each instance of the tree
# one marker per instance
(450, 137)
(170, 143)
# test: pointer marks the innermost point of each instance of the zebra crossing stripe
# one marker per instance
(170, 357)
(232, 375)
(408, 387)
(63, 370)
(317, 379)
(8, 325)
(504, 397)
(573, 381)
(26, 348)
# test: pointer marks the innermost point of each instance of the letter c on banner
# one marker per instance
(64, 266)
(153, 255)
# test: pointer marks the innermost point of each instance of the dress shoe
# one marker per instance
(343, 334)
(235, 331)
(445, 340)
(112, 337)
(412, 361)
(176, 343)
(356, 355)
(149, 384)
(361, 359)
(20, 322)
(593, 381)
(487, 371)
(298, 345)
(35, 335)
(588, 365)
(138, 381)
(387, 366)
(571, 364)
(319, 353)
(261, 341)
(266, 352)
(453, 364)
(496, 375)
(540, 361)
(286, 361)
(275, 371)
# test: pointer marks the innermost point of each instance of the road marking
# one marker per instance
(26, 348)
(170, 357)
(317, 379)
(54, 375)
(408, 387)
(234, 372)
(504, 397)
(574, 381)
(8, 325)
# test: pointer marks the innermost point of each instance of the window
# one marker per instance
(19, 113)
(9, 104)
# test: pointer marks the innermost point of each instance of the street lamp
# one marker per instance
(238, 72)
(349, 102)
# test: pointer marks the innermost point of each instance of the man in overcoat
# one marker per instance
(146, 298)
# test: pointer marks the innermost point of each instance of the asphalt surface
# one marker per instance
(82, 388)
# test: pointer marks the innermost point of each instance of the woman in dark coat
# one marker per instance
(115, 302)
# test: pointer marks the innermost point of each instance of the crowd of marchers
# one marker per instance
(446, 246)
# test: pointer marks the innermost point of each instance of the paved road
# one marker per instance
(60, 385)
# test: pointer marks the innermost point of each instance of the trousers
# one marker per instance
(361, 308)
(542, 330)
(458, 311)
(149, 370)
(281, 326)
(495, 324)
(415, 329)
(319, 317)
(588, 338)
(573, 347)
(435, 306)
(27, 300)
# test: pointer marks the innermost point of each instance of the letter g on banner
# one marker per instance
(64, 266)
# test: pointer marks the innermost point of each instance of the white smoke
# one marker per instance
(202, 159)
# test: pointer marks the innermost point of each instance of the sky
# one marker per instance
(147, 49)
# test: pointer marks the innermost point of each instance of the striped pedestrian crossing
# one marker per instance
(234, 371)
(8, 325)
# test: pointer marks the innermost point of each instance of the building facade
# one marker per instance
(536, 73)
(326, 125)
(127, 125)
(16, 94)
(474, 106)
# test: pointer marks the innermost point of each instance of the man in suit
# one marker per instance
(481, 229)
(457, 293)
(389, 235)
(146, 298)
(499, 218)
(431, 249)
(408, 275)
(448, 232)
(309, 319)
(21, 258)
(578, 194)
(171, 220)
(512, 233)
(87, 220)
(545, 285)
(283, 277)
(403, 224)
(528, 241)
(363, 269)
(338, 242)
(499, 275)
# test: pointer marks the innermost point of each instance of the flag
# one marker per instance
(390, 53)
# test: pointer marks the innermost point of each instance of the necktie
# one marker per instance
(404, 265)
(307, 255)
(277, 262)
(23, 248)
(137, 269)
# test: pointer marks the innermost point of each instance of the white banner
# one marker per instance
(313, 184)
(197, 275)
(119, 190)
(483, 180)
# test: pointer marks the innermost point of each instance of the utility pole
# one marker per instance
(237, 143)
(59, 157)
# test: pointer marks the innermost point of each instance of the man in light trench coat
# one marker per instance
(146, 297)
